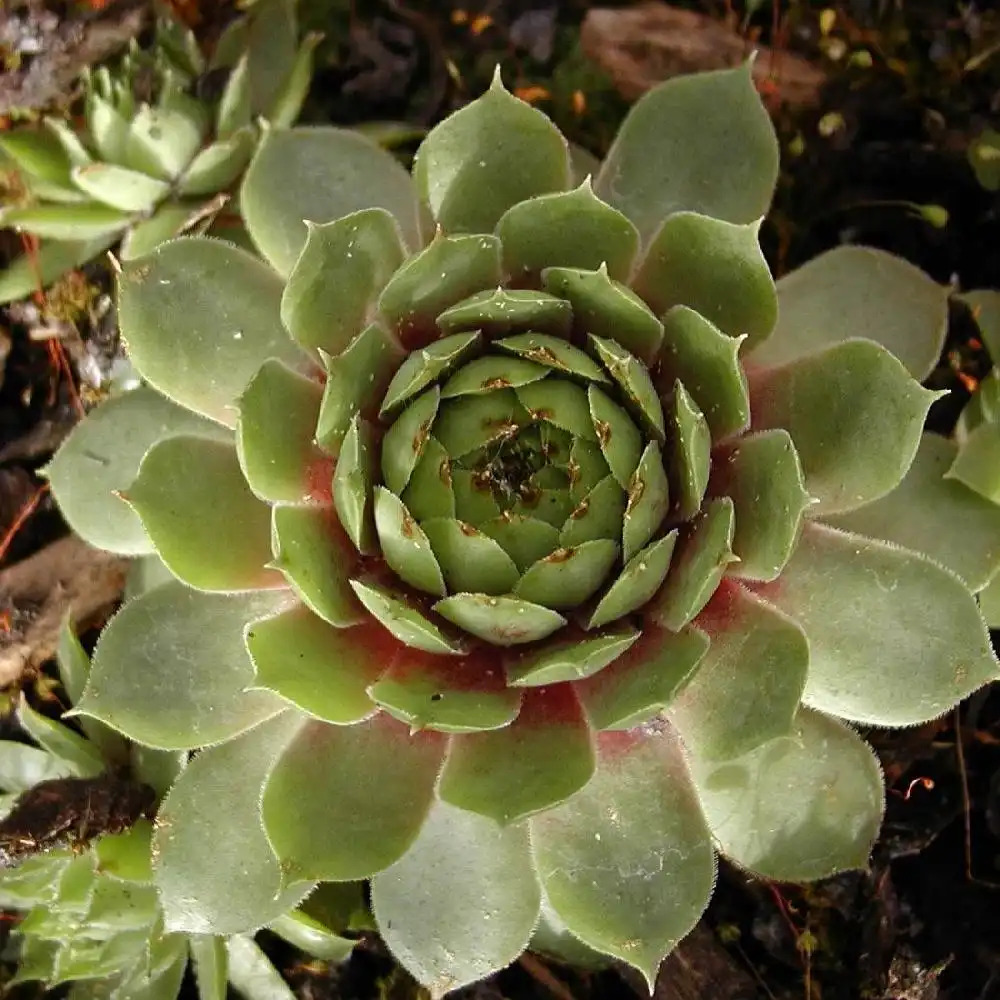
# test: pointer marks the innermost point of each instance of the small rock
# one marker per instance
(639, 47)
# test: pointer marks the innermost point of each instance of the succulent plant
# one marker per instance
(155, 145)
(75, 854)
(510, 521)
(977, 460)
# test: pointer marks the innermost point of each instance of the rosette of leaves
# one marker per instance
(504, 513)
(156, 142)
(75, 850)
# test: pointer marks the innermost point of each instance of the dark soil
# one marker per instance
(888, 137)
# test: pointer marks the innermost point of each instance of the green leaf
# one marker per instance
(165, 223)
(627, 863)
(161, 142)
(894, 640)
(470, 561)
(107, 130)
(271, 44)
(218, 165)
(67, 222)
(749, 684)
(171, 671)
(492, 154)
(977, 464)
(461, 903)
(29, 273)
(36, 152)
(84, 759)
(502, 621)
(762, 475)
(354, 378)
(568, 229)
(315, 556)
(989, 602)
(502, 310)
(354, 484)
(287, 102)
(691, 439)
(294, 654)
(703, 553)
(223, 885)
(570, 659)
(234, 111)
(937, 516)
(446, 693)
(567, 577)
(541, 759)
(338, 277)
(101, 457)
(199, 513)
(126, 190)
(645, 680)
(274, 439)
(250, 970)
(211, 965)
(859, 292)
(194, 298)
(405, 547)
(404, 617)
(713, 267)
(854, 415)
(312, 937)
(344, 802)
(22, 766)
(796, 809)
(448, 269)
(281, 189)
(127, 855)
(697, 143)
(405, 440)
(636, 584)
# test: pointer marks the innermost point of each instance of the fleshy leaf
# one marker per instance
(312, 937)
(210, 965)
(223, 885)
(251, 972)
(627, 863)
(320, 669)
(706, 361)
(638, 582)
(196, 298)
(171, 671)
(89, 221)
(495, 152)
(851, 292)
(977, 464)
(554, 353)
(934, 515)
(984, 303)
(166, 222)
(469, 560)
(645, 680)
(667, 155)
(161, 142)
(855, 417)
(199, 513)
(426, 366)
(404, 616)
(692, 452)
(338, 277)
(314, 554)
(278, 413)
(282, 189)
(22, 766)
(101, 457)
(713, 267)
(54, 258)
(218, 165)
(607, 308)
(571, 659)
(461, 903)
(447, 269)
(863, 603)
(703, 553)
(353, 483)
(446, 693)
(749, 684)
(355, 378)
(344, 802)
(82, 756)
(405, 547)
(761, 474)
(566, 578)
(502, 310)
(796, 809)
(126, 190)
(541, 759)
(503, 621)
(568, 229)
(648, 501)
